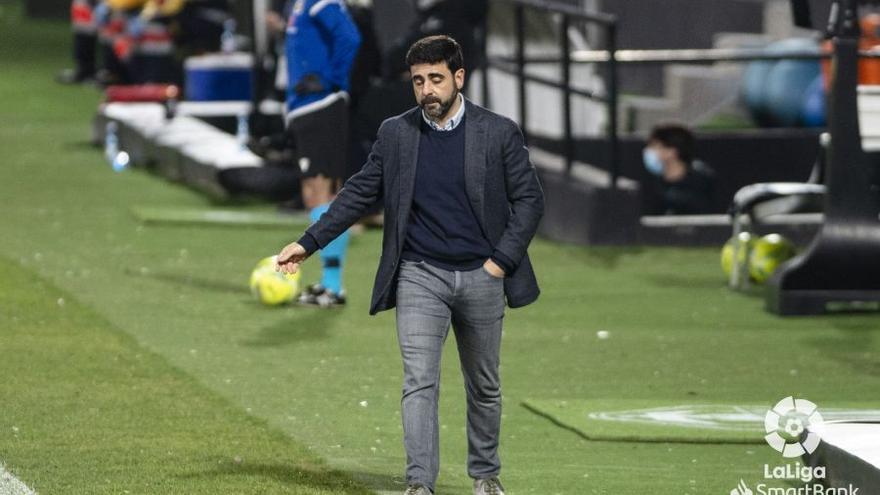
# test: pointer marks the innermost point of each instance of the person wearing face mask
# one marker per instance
(680, 184)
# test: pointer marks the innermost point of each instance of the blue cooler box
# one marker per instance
(219, 77)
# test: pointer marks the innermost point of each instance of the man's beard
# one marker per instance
(438, 112)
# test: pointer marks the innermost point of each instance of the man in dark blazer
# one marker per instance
(462, 202)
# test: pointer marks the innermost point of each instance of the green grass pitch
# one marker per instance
(133, 359)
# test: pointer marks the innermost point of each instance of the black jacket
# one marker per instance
(501, 183)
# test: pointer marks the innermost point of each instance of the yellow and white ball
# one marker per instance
(768, 253)
(273, 288)
(741, 245)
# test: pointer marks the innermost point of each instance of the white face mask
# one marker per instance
(653, 163)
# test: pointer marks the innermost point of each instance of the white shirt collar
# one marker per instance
(453, 122)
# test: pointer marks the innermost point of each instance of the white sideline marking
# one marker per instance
(10, 485)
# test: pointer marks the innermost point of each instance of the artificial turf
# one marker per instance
(305, 383)
(87, 410)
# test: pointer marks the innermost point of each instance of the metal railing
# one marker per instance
(517, 66)
(693, 56)
(611, 58)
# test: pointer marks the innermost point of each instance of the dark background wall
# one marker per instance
(671, 24)
(668, 24)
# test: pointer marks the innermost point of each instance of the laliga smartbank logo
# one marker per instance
(786, 423)
(791, 430)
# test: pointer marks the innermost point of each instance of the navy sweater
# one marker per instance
(442, 228)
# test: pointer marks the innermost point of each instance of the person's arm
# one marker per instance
(526, 201)
(361, 191)
(331, 17)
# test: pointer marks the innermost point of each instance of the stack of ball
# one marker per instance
(271, 287)
(762, 256)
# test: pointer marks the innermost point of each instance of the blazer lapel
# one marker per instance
(475, 159)
(409, 157)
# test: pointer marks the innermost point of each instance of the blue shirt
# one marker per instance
(322, 40)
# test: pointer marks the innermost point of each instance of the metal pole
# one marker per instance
(565, 47)
(519, 19)
(258, 79)
(611, 83)
(261, 36)
(484, 68)
(850, 21)
(689, 56)
(574, 11)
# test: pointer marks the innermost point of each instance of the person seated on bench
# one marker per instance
(678, 184)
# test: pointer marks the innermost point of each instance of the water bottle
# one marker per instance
(120, 161)
(242, 133)
(227, 39)
(111, 141)
(172, 95)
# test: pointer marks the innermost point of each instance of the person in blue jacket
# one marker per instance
(321, 43)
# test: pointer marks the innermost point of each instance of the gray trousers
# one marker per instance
(429, 299)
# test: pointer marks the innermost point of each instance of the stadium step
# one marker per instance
(188, 150)
(694, 94)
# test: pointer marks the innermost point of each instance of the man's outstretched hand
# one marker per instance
(290, 258)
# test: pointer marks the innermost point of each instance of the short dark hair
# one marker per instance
(675, 136)
(436, 49)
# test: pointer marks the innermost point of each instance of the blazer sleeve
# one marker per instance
(360, 192)
(524, 195)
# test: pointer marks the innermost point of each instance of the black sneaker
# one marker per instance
(73, 76)
(318, 295)
(106, 78)
(313, 290)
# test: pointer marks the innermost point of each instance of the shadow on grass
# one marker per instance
(309, 324)
(317, 478)
(686, 282)
(196, 282)
(605, 257)
(80, 145)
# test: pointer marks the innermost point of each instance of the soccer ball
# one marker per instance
(746, 242)
(264, 265)
(767, 254)
(273, 288)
